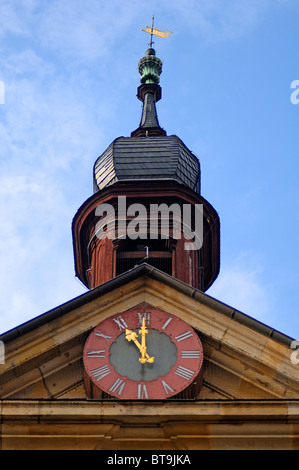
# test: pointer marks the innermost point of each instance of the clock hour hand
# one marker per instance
(131, 336)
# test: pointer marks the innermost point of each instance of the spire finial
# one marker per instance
(149, 92)
(150, 69)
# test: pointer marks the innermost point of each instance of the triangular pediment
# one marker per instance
(243, 359)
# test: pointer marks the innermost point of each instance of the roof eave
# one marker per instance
(150, 271)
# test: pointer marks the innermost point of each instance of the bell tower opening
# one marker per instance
(158, 253)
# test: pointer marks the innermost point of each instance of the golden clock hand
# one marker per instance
(131, 336)
(144, 332)
(144, 356)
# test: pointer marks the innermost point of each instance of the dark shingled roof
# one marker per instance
(148, 153)
(159, 157)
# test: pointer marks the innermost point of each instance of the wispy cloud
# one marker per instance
(219, 20)
(240, 285)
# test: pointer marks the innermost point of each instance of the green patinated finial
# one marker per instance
(150, 67)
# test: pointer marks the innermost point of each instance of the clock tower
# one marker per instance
(145, 359)
(147, 203)
(147, 207)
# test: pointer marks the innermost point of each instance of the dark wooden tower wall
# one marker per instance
(99, 260)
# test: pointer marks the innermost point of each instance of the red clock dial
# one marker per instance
(143, 354)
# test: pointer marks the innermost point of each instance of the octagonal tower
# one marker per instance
(146, 181)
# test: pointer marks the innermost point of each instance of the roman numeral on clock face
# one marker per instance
(146, 316)
(120, 322)
(183, 336)
(102, 335)
(100, 353)
(184, 373)
(118, 386)
(142, 391)
(101, 372)
(194, 354)
(166, 323)
(167, 387)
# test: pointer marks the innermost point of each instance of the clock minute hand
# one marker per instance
(143, 331)
(145, 357)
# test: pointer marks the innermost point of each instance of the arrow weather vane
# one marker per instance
(156, 32)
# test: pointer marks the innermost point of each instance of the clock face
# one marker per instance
(143, 354)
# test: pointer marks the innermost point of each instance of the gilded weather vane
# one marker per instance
(156, 32)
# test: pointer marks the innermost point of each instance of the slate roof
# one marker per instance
(159, 157)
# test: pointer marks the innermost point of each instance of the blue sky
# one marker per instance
(70, 74)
